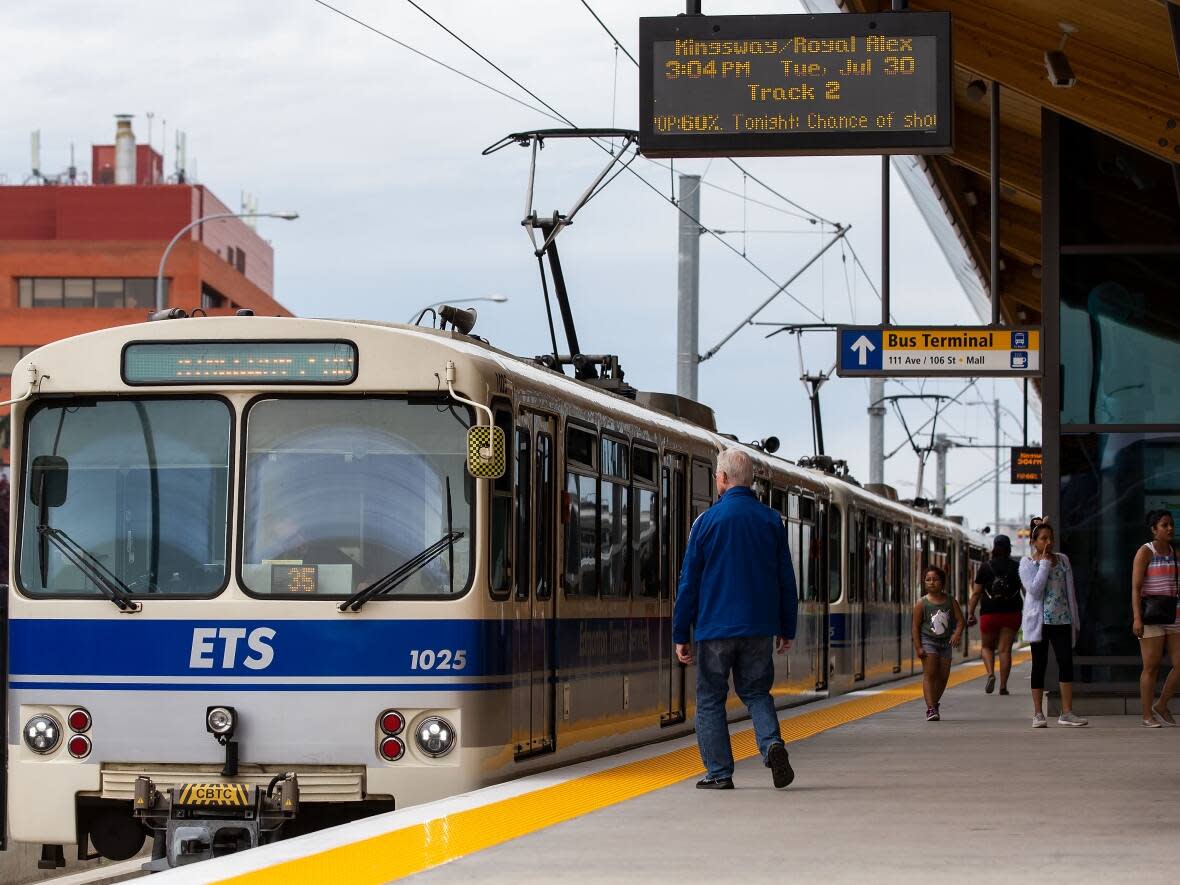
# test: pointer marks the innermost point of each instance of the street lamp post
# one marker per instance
(498, 299)
(286, 216)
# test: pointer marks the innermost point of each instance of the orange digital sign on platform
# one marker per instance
(1027, 465)
(795, 84)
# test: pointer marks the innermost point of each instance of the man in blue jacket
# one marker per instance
(737, 595)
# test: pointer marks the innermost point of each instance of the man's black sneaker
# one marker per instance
(723, 783)
(780, 766)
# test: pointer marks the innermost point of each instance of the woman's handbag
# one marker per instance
(1158, 609)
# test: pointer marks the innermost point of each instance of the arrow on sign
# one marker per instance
(861, 346)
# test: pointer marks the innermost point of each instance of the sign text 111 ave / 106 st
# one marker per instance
(937, 351)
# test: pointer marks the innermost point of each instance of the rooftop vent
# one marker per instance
(682, 407)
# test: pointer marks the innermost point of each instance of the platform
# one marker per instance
(879, 792)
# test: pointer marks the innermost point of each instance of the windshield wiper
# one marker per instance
(388, 581)
(91, 566)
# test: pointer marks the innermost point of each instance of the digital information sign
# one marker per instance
(751, 85)
(1027, 465)
(968, 351)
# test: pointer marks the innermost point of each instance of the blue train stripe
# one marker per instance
(265, 686)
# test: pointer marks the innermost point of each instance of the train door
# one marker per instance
(893, 579)
(536, 527)
(4, 715)
(857, 626)
(673, 537)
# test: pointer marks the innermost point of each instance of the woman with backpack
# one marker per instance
(1050, 618)
(1155, 581)
(996, 592)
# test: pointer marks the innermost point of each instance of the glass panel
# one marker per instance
(579, 446)
(1120, 339)
(146, 494)
(702, 482)
(79, 293)
(47, 293)
(524, 512)
(1116, 194)
(1108, 483)
(646, 547)
(544, 518)
(26, 292)
(356, 488)
(501, 520)
(141, 293)
(581, 542)
(835, 559)
(644, 463)
(613, 554)
(108, 293)
(614, 458)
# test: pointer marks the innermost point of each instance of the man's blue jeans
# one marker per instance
(751, 661)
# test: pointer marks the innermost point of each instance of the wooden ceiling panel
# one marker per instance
(1020, 154)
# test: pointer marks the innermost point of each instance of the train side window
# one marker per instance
(645, 538)
(544, 517)
(807, 509)
(614, 555)
(778, 501)
(702, 487)
(793, 505)
(500, 562)
(524, 510)
(580, 573)
(835, 556)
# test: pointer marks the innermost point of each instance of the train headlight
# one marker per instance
(42, 734)
(220, 721)
(435, 736)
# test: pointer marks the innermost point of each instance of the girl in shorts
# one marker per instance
(1154, 573)
(934, 636)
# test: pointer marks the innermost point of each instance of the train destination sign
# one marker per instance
(1026, 465)
(839, 83)
(934, 350)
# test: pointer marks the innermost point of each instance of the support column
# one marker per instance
(688, 287)
(941, 445)
(876, 430)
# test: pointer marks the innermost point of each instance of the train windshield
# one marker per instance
(132, 493)
(340, 492)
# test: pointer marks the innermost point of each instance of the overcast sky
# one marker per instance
(378, 149)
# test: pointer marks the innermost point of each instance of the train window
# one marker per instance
(544, 516)
(793, 505)
(702, 482)
(643, 464)
(580, 445)
(778, 501)
(524, 510)
(803, 563)
(807, 509)
(501, 528)
(835, 556)
(581, 535)
(614, 458)
(614, 554)
(645, 545)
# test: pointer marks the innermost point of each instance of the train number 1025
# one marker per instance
(443, 659)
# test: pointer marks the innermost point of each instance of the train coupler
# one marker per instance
(194, 822)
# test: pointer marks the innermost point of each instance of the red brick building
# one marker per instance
(76, 258)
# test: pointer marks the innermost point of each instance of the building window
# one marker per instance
(107, 292)
(10, 356)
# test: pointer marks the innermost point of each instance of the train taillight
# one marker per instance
(392, 722)
(79, 746)
(392, 749)
(79, 720)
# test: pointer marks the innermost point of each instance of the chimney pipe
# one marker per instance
(124, 150)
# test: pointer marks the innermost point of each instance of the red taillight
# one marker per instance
(79, 746)
(392, 722)
(392, 749)
(79, 720)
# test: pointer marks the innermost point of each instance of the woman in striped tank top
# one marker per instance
(1155, 573)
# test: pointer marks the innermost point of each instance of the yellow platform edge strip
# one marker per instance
(421, 846)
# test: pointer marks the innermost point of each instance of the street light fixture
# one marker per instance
(286, 216)
(497, 298)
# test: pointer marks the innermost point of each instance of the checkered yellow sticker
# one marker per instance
(485, 452)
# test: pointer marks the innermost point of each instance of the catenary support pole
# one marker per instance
(996, 412)
(877, 430)
(688, 279)
(941, 445)
(885, 292)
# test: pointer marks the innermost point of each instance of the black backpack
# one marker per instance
(1005, 585)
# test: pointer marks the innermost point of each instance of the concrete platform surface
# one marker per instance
(891, 798)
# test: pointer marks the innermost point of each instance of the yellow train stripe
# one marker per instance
(421, 846)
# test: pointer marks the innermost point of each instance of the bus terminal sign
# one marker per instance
(937, 351)
(753, 85)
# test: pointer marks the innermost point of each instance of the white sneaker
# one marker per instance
(1072, 719)
(1039, 721)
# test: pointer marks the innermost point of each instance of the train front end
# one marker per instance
(243, 550)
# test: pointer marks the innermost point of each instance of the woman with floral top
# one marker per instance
(1050, 618)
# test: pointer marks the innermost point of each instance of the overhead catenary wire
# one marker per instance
(441, 64)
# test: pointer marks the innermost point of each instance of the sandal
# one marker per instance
(1151, 723)
(1163, 717)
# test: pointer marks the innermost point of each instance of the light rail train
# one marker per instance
(253, 576)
